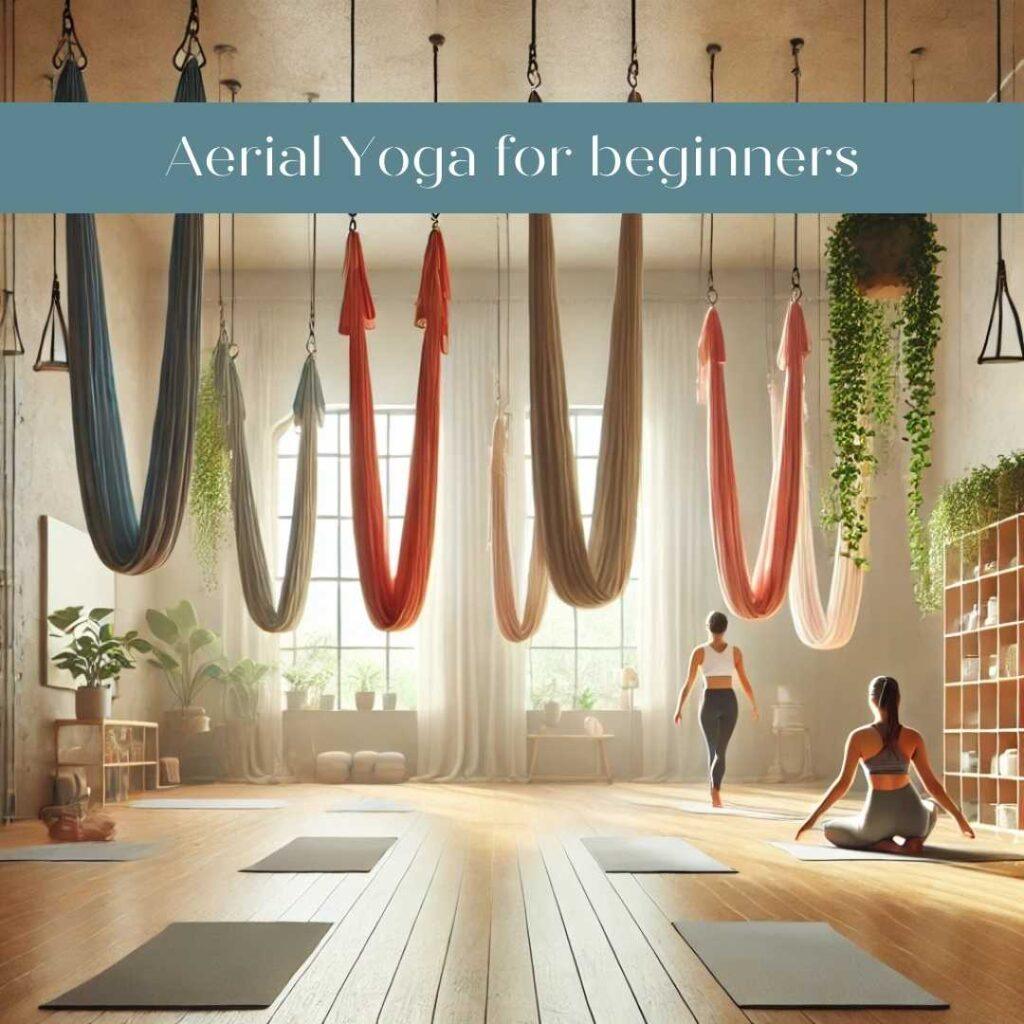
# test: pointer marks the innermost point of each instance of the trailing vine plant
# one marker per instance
(210, 491)
(879, 352)
(983, 496)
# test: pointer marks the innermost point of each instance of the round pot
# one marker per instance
(365, 699)
(326, 701)
(94, 702)
(179, 724)
(884, 244)
(389, 701)
(552, 713)
(295, 700)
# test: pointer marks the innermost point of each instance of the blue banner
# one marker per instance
(517, 157)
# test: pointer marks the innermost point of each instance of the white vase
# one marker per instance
(552, 713)
(389, 701)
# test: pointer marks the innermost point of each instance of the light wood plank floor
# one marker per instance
(489, 908)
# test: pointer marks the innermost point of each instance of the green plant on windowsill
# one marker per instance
(364, 677)
(308, 677)
(586, 699)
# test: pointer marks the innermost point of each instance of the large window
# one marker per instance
(335, 622)
(577, 656)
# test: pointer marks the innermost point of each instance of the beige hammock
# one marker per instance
(512, 626)
(586, 575)
(257, 587)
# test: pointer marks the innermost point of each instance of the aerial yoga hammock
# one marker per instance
(126, 541)
(584, 574)
(395, 602)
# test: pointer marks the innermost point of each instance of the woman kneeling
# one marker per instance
(892, 808)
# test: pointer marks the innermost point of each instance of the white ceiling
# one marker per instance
(288, 47)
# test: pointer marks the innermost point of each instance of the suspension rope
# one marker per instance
(633, 70)
(795, 46)
(352, 225)
(915, 57)
(885, 51)
(69, 47)
(533, 78)
(312, 97)
(713, 50)
(190, 47)
(436, 40)
(9, 296)
(227, 328)
(999, 99)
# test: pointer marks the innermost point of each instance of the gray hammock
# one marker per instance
(125, 541)
(308, 409)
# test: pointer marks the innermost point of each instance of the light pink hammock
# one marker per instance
(758, 595)
(824, 629)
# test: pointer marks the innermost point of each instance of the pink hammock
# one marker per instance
(760, 595)
(824, 629)
(395, 602)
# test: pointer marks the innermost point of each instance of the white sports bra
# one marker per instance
(718, 663)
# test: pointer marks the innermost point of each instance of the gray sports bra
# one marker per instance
(888, 761)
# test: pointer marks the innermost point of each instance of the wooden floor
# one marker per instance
(488, 908)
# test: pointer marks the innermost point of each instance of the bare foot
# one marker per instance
(887, 846)
(716, 798)
(914, 847)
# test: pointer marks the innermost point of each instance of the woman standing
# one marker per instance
(886, 749)
(717, 661)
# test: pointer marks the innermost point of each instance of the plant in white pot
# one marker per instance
(94, 654)
(243, 695)
(364, 677)
(308, 678)
(189, 657)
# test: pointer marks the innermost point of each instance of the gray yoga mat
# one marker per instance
(207, 965)
(326, 854)
(80, 852)
(798, 964)
(651, 855)
(207, 804)
(370, 805)
(930, 854)
(729, 811)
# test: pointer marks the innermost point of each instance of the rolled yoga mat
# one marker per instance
(930, 854)
(207, 965)
(207, 804)
(651, 855)
(798, 964)
(370, 806)
(326, 854)
(80, 852)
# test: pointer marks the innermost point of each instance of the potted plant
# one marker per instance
(630, 683)
(586, 699)
(552, 713)
(308, 677)
(189, 657)
(94, 654)
(881, 355)
(364, 676)
(243, 694)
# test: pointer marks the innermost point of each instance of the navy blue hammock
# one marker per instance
(126, 541)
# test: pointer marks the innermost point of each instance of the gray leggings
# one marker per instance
(718, 713)
(887, 813)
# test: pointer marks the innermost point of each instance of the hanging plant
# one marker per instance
(883, 311)
(209, 497)
(983, 496)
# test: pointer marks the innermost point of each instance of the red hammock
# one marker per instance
(759, 595)
(395, 602)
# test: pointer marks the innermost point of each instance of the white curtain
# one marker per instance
(270, 338)
(472, 684)
(677, 578)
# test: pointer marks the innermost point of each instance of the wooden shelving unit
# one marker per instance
(120, 757)
(983, 674)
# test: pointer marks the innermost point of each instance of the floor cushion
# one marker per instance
(333, 766)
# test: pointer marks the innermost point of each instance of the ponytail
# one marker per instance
(885, 692)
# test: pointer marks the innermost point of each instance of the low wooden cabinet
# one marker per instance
(119, 757)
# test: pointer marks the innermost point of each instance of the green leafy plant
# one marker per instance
(982, 496)
(244, 686)
(94, 652)
(311, 671)
(586, 699)
(868, 339)
(209, 498)
(187, 653)
(364, 676)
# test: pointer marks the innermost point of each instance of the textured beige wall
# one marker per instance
(47, 480)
